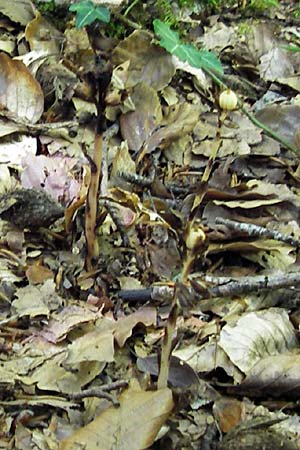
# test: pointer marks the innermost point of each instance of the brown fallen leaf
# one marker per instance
(228, 412)
(149, 63)
(20, 93)
(277, 376)
(37, 274)
(132, 426)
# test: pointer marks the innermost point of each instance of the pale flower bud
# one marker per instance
(228, 100)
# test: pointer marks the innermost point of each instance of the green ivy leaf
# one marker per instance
(202, 59)
(87, 13)
(168, 39)
(290, 48)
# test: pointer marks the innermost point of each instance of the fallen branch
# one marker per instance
(208, 286)
(257, 231)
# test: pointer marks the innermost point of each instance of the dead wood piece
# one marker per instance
(29, 208)
(256, 231)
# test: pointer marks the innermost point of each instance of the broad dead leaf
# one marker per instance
(132, 426)
(124, 326)
(21, 11)
(148, 63)
(276, 376)
(283, 119)
(37, 300)
(43, 36)
(138, 125)
(20, 93)
(228, 412)
(270, 333)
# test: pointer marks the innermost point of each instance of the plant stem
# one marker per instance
(92, 203)
(166, 347)
(132, 5)
(270, 132)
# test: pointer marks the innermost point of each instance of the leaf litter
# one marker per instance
(183, 332)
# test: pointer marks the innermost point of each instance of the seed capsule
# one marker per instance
(194, 238)
(228, 100)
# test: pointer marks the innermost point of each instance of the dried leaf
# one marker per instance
(148, 63)
(228, 412)
(124, 326)
(20, 93)
(270, 333)
(21, 11)
(137, 126)
(277, 376)
(133, 426)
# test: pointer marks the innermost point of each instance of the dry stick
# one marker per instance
(216, 287)
(100, 392)
(255, 230)
(245, 285)
(229, 286)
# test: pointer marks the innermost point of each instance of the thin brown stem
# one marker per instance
(92, 203)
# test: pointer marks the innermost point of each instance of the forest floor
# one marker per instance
(149, 270)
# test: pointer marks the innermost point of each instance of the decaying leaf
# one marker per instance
(21, 11)
(275, 376)
(133, 426)
(37, 301)
(270, 334)
(21, 94)
(148, 63)
(137, 126)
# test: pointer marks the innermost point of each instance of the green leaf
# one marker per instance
(87, 13)
(170, 40)
(203, 59)
(290, 48)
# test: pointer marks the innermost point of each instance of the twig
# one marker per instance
(100, 392)
(127, 21)
(244, 285)
(255, 230)
(134, 178)
(216, 287)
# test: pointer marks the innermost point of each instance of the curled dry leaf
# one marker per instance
(20, 11)
(43, 36)
(20, 93)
